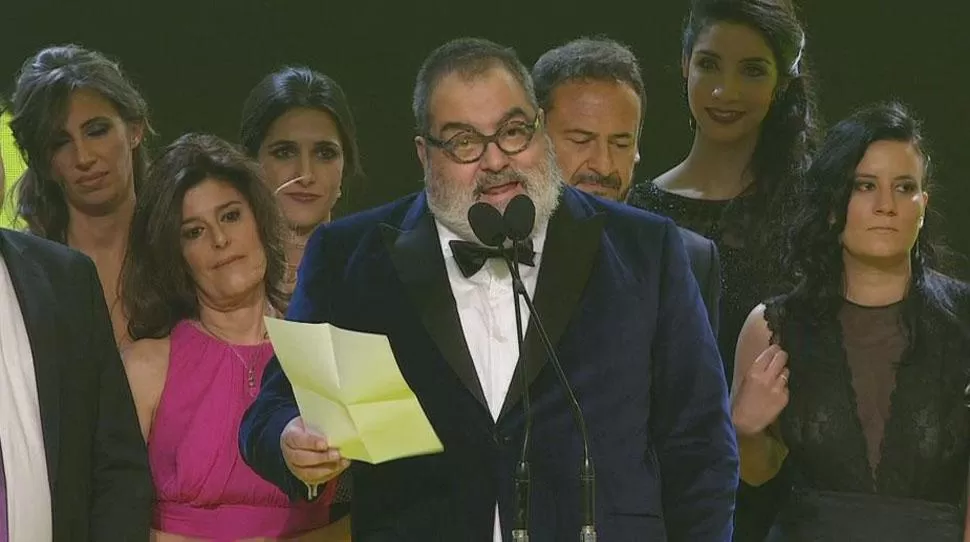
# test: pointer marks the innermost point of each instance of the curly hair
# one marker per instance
(814, 257)
(157, 288)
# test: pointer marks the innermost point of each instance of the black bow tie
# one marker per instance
(471, 256)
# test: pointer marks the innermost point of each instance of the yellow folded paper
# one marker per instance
(348, 386)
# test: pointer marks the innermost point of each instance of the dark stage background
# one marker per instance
(196, 61)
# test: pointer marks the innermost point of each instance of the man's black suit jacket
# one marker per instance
(706, 265)
(97, 463)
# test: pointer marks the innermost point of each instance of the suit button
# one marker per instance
(501, 440)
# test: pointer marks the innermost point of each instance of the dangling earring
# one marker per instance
(690, 116)
(920, 226)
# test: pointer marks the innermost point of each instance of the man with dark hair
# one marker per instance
(611, 285)
(576, 84)
(467, 58)
(592, 93)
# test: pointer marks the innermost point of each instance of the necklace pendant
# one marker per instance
(251, 380)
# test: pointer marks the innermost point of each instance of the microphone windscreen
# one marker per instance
(487, 224)
(520, 218)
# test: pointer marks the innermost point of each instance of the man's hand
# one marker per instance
(308, 455)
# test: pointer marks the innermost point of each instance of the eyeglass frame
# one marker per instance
(487, 140)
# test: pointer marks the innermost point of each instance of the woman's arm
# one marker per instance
(755, 388)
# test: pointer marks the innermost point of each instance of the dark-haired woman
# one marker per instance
(858, 374)
(752, 110)
(204, 268)
(297, 123)
(80, 124)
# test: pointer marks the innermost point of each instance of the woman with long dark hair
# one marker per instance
(752, 109)
(750, 94)
(858, 374)
(297, 123)
(80, 124)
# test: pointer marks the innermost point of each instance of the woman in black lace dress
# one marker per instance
(858, 374)
(752, 109)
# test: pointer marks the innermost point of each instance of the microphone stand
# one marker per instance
(488, 225)
(522, 477)
(586, 474)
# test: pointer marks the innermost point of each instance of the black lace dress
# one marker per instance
(744, 275)
(878, 430)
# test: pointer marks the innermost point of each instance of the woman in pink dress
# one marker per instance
(204, 266)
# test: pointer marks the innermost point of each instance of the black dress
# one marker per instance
(877, 426)
(744, 276)
(746, 280)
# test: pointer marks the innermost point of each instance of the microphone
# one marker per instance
(519, 218)
(519, 221)
(489, 227)
(487, 224)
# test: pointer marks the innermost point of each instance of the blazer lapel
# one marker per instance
(37, 304)
(568, 254)
(416, 253)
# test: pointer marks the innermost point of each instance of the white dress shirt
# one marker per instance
(21, 434)
(486, 309)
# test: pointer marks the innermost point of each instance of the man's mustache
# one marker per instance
(488, 181)
(606, 181)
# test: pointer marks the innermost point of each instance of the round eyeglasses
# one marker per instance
(468, 146)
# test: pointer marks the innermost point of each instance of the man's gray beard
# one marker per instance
(450, 201)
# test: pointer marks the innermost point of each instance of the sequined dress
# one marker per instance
(744, 274)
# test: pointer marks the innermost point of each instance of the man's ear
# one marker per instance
(421, 147)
